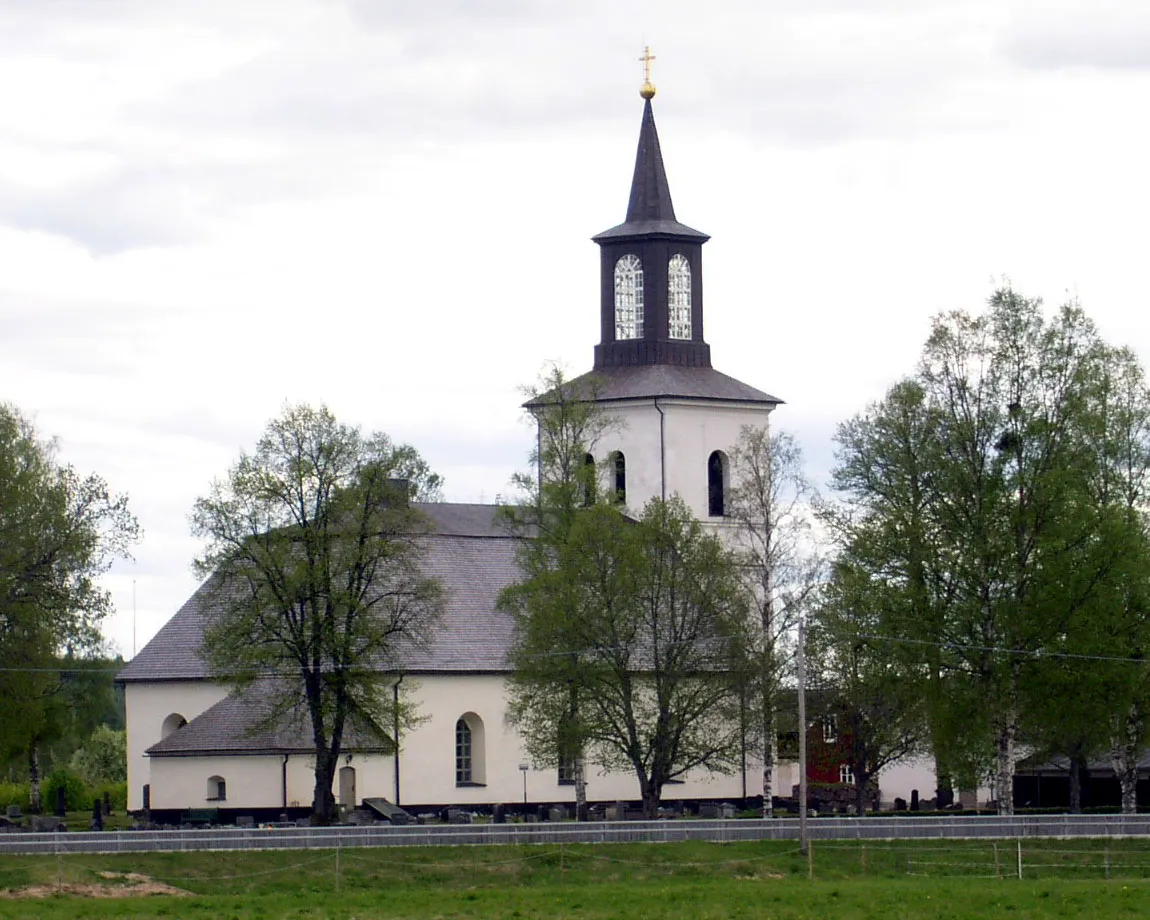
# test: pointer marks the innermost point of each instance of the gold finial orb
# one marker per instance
(647, 90)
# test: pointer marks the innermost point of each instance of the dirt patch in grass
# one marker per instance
(119, 885)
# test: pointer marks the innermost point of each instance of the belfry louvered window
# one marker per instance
(679, 296)
(629, 298)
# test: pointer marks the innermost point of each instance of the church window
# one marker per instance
(172, 723)
(462, 752)
(629, 298)
(846, 774)
(469, 750)
(217, 789)
(587, 481)
(717, 484)
(619, 465)
(679, 296)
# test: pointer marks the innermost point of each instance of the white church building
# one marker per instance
(189, 741)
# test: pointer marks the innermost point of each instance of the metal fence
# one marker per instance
(314, 838)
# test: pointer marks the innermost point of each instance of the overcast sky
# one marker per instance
(209, 208)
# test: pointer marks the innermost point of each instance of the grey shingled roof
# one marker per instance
(663, 380)
(468, 551)
(230, 727)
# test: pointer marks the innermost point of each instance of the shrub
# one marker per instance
(77, 795)
(117, 795)
(13, 794)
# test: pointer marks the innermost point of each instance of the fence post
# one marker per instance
(1019, 842)
(810, 860)
(997, 865)
(337, 880)
(863, 858)
(1107, 858)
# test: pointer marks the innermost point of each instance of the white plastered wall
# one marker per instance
(147, 705)
(674, 438)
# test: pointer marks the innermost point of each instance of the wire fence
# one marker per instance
(359, 869)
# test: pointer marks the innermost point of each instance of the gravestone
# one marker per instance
(914, 800)
(899, 804)
(107, 802)
(47, 824)
(708, 810)
(499, 814)
(97, 817)
(14, 813)
(245, 821)
(557, 813)
(541, 813)
(61, 801)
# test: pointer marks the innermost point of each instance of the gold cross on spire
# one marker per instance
(647, 90)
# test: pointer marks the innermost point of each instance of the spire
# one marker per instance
(649, 209)
(650, 193)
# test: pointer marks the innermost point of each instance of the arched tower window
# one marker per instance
(587, 483)
(629, 298)
(717, 484)
(679, 296)
(619, 469)
(470, 768)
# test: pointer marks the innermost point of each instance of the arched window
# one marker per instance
(217, 789)
(679, 296)
(172, 723)
(469, 748)
(587, 483)
(717, 484)
(619, 468)
(629, 298)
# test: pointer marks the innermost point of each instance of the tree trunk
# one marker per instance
(1077, 766)
(1005, 754)
(34, 801)
(770, 743)
(651, 794)
(861, 780)
(580, 788)
(323, 800)
(1124, 755)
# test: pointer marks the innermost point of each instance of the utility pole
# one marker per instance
(802, 681)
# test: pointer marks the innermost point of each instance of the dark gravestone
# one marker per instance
(900, 804)
(499, 814)
(541, 813)
(107, 802)
(97, 816)
(914, 800)
(61, 801)
(147, 796)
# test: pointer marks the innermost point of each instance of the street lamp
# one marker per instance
(523, 769)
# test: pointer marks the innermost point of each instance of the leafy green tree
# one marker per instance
(968, 496)
(879, 713)
(103, 758)
(314, 551)
(59, 531)
(560, 486)
(655, 612)
(780, 564)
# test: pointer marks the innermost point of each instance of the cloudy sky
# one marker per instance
(209, 208)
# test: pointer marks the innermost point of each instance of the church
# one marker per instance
(189, 742)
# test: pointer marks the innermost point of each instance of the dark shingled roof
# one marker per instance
(468, 551)
(649, 210)
(661, 380)
(230, 727)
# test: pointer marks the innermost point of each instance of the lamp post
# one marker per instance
(523, 769)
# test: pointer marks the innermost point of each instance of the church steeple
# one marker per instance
(651, 298)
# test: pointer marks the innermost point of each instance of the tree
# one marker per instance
(879, 714)
(103, 758)
(313, 551)
(655, 612)
(559, 486)
(770, 505)
(973, 497)
(59, 531)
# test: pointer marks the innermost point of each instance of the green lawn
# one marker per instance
(947, 879)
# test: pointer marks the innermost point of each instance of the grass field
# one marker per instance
(931, 879)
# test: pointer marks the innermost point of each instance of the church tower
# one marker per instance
(676, 417)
